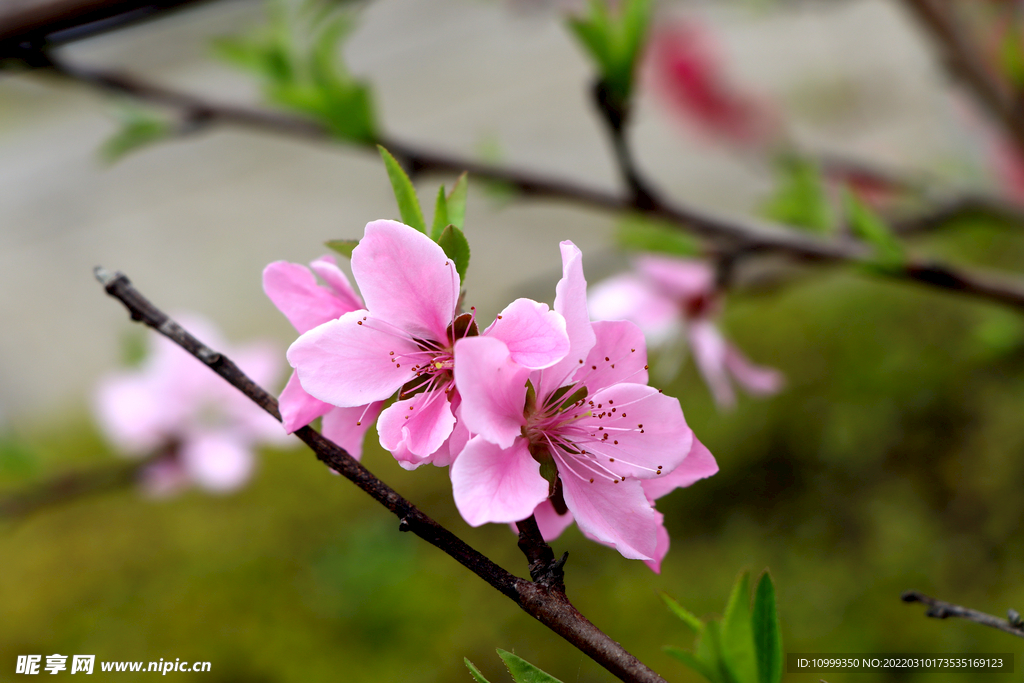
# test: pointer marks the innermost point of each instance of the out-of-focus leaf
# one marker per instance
(614, 41)
(343, 247)
(139, 128)
(701, 667)
(456, 247)
(1001, 332)
(737, 634)
(474, 672)
(637, 233)
(405, 193)
(864, 223)
(524, 672)
(1011, 55)
(441, 220)
(767, 638)
(800, 200)
(457, 202)
(687, 617)
(709, 650)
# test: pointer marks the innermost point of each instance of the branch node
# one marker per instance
(403, 524)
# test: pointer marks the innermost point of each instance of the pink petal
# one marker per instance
(450, 449)
(354, 360)
(297, 407)
(699, 464)
(347, 426)
(492, 484)
(216, 461)
(619, 355)
(681, 279)
(709, 351)
(662, 548)
(327, 268)
(616, 514)
(295, 292)
(756, 379)
(662, 442)
(535, 336)
(627, 297)
(164, 478)
(493, 389)
(130, 412)
(550, 523)
(420, 424)
(406, 279)
(571, 303)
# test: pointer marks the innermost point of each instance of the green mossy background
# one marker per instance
(892, 461)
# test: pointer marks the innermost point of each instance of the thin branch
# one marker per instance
(546, 603)
(940, 609)
(749, 235)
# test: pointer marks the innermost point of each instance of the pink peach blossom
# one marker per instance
(591, 417)
(205, 428)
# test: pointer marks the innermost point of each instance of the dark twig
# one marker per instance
(544, 569)
(547, 603)
(940, 609)
(731, 232)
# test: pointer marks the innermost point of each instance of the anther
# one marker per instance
(499, 317)
(592, 367)
(615, 442)
(611, 459)
(607, 358)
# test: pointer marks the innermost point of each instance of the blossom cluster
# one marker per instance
(543, 412)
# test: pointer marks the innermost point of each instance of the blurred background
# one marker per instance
(891, 461)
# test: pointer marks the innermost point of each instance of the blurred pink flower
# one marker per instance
(295, 292)
(686, 72)
(172, 404)
(591, 417)
(664, 291)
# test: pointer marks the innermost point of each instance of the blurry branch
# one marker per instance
(939, 609)
(964, 59)
(744, 235)
(71, 486)
(543, 599)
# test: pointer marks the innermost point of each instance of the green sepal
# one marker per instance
(548, 469)
(405, 193)
(524, 672)
(456, 202)
(474, 672)
(866, 224)
(343, 247)
(139, 128)
(737, 634)
(463, 326)
(800, 200)
(767, 636)
(686, 616)
(456, 247)
(614, 42)
(441, 219)
(577, 395)
(636, 233)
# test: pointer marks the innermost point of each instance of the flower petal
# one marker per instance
(616, 514)
(627, 297)
(662, 548)
(550, 523)
(494, 484)
(295, 292)
(709, 351)
(217, 461)
(756, 379)
(353, 360)
(406, 279)
(347, 426)
(619, 355)
(681, 279)
(646, 433)
(699, 464)
(571, 303)
(534, 334)
(493, 389)
(327, 268)
(419, 424)
(297, 407)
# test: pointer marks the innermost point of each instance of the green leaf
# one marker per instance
(703, 668)
(524, 672)
(866, 224)
(636, 233)
(456, 247)
(440, 216)
(687, 617)
(405, 194)
(767, 639)
(457, 202)
(801, 199)
(139, 128)
(343, 247)
(475, 672)
(737, 634)
(1011, 55)
(709, 650)
(614, 42)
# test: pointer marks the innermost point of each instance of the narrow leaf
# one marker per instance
(440, 216)
(636, 233)
(801, 200)
(474, 672)
(692, 622)
(343, 247)
(710, 650)
(866, 224)
(767, 639)
(405, 193)
(138, 129)
(737, 634)
(456, 247)
(524, 672)
(688, 658)
(457, 202)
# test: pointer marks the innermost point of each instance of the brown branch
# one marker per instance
(548, 604)
(748, 235)
(940, 609)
